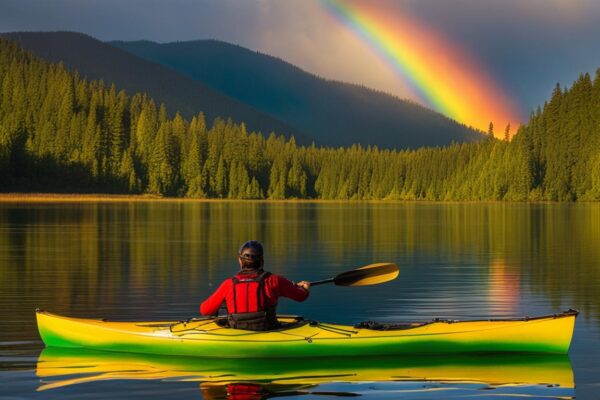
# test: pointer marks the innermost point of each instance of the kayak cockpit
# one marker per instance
(286, 322)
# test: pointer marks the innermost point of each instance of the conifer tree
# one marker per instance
(253, 191)
(220, 188)
(507, 133)
(117, 129)
(277, 179)
(192, 166)
(128, 175)
(296, 178)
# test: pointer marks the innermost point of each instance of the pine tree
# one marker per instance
(253, 191)
(128, 175)
(192, 168)
(220, 189)
(116, 129)
(233, 191)
(296, 178)
(507, 133)
(490, 131)
(63, 124)
(277, 179)
(163, 169)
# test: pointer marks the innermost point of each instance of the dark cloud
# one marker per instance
(133, 19)
(528, 45)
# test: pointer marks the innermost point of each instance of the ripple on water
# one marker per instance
(157, 261)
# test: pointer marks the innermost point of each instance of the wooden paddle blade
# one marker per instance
(372, 274)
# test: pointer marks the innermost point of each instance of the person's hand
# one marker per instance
(304, 285)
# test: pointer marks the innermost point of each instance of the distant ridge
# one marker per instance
(335, 113)
(98, 60)
(60, 133)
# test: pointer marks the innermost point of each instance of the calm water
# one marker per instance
(159, 260)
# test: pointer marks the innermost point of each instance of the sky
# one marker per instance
(513, 52)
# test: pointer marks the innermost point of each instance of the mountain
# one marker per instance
(59, 132)
(98, 60)
(334, 113)
(266, 93)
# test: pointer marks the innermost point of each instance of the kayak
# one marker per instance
(301, 338)
(60, 367)
(209, 337)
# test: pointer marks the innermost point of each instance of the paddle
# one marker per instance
(371, 274)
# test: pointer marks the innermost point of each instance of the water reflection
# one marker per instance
(539, 375)
(80, 257)
(504, 286)
(158, 260)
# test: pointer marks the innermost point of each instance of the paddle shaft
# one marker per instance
(322, 282)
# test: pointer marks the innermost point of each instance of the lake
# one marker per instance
(158, 260)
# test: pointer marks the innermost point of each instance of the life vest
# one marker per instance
(253, 313)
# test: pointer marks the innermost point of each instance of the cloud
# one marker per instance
(526, 45)
(302, 33)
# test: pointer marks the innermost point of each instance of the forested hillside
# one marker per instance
(97, 60)
(334, 113)
(562, 143)
(59, 132)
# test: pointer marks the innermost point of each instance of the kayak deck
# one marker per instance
(300, 338)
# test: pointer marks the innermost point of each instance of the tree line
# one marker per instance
(62, 133)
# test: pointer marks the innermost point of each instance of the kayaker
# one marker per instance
(251, 295)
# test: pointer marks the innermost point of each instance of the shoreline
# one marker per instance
(14, 197)
(71, 197)
(100, 197)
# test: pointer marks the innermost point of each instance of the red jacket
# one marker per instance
(275, 286)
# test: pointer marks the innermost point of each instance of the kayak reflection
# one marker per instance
(261, 391)
(265, 378)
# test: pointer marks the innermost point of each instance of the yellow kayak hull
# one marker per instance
(208, 338)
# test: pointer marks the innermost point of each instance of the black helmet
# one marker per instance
(251, 262)
(252, 244)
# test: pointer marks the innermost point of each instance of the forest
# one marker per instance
(60, 132)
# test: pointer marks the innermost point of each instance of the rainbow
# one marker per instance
(441, 75)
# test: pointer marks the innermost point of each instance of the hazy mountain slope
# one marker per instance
(333, 112)
(98, 60)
